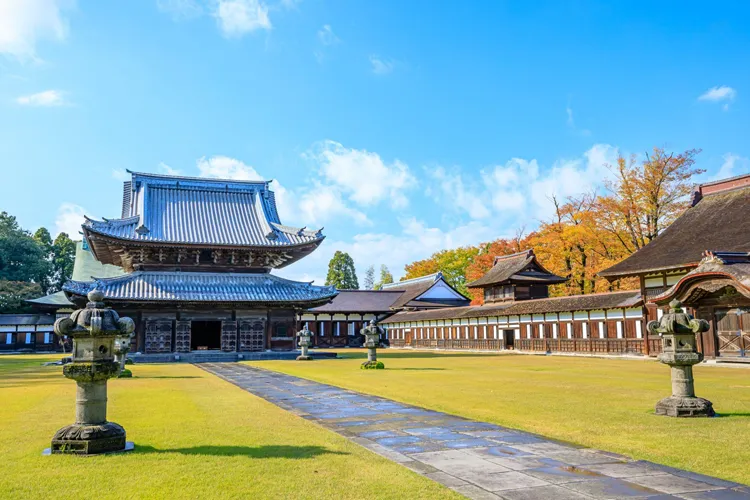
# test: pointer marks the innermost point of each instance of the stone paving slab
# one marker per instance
(477, 459)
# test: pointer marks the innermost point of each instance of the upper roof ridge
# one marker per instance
(419, 279)
(178, 178)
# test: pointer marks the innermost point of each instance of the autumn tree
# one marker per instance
(452, 263)
(385, 277)
(341, 272)
(369, 281)
(646, 196)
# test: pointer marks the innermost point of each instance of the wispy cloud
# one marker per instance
(719, 94)
(326, 36)
(381, 66)
(180, 10)
(42, 99)
(24, 22)
(733, 165)
(572, 124)
(237, 18)
(69, 219)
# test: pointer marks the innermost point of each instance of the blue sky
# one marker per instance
(402, 127)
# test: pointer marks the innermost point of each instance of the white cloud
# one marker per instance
(25, 22)
(237, 18)
(224, 167)
(326, 36)
(719, 94)
(363, 175)
(733, 165)
(572, 124)
(414, 240)
(381, 66)
(180, 10)
(320, 204)
(519, 191)
(167, 170)
(69, 219)
(42, 99)
(453, 186)
(120, 174)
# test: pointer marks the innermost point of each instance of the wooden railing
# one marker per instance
(475, 344)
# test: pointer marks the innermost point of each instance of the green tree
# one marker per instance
(385, 277)
(341, 272)
(369, 282)
(21, 257)
(64, 254)
(452, 263)
(13, 295)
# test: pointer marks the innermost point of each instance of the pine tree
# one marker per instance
(341, 272)
(369, 282)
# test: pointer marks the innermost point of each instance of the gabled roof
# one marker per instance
(521, 267)
(360, 301)
(719, 219)
(414, 293)
(590, 302)
(53, 300)
(27, 319)
(715, 272)
(199, 211)
(163, 286)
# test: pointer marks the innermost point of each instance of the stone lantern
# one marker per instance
(305, 341)
(677, 330)
(122, 348)
(372, 342)
(93, 330)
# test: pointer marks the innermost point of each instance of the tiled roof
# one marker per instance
(414, 288)
(162, 286)
(719, 221)
(193, 210)
(57, 299)
(513, 268)
(591, 302)
(27, 319)
(361, 301)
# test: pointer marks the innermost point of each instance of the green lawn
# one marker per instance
(602, 403)
(196, 437)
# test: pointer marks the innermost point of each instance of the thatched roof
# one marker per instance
(718, 221)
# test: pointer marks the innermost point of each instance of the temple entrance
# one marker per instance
(205, 335)
(733, 331)
(508, 338)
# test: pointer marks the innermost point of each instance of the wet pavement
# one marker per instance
(477, 459)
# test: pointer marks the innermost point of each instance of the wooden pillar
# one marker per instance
(644, 317)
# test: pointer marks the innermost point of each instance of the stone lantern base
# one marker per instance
(676, 406)
(304, 358)
(82, 439)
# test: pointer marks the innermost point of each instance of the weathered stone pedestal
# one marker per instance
(93, 331)
(678, 331)
(305, 341)
(372, 342)
(122, 348)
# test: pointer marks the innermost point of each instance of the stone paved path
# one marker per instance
(476, 459)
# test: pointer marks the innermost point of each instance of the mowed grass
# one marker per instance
(196, 436)
(606, 404)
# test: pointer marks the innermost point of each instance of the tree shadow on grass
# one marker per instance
(404, 354)
(275, 451)
(169, 376)
(731, 414)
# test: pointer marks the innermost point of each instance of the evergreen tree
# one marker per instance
(369, 282)
(64, 254)
(385, 277)
(341, 272)
(22, 258)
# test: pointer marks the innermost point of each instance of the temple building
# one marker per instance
(196, 257)
(518, 314)
(338, 323)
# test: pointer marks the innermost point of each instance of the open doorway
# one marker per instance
(205, 335)
(508, 338)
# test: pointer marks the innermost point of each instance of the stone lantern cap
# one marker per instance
(677, 322)
(95, 320)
